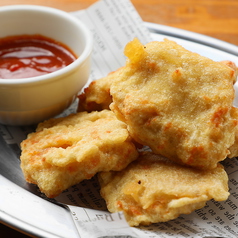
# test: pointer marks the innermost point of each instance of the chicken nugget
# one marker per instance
(64, 151)
(234, 148)
(96, 96)
(154, 189)
(177, 102)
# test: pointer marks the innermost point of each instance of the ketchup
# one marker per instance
(27, 56)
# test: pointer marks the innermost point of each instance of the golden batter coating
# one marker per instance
(96, 96)
(178, 103)
(64, 151)
(234, 148)
(154, 189)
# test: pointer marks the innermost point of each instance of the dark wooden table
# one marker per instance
(216, 18)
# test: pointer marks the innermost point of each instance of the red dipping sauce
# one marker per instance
(27, 56)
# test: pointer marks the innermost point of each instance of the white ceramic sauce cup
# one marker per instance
(31, 100)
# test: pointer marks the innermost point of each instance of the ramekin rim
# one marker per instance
(81, 58)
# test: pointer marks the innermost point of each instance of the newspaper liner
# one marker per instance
(113, 23)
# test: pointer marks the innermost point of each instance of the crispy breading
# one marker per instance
(233, 66)
(154, 189)
(65, 151)
(234, 148)
(177, 102)
(96, 96)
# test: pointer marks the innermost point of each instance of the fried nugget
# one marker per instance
(64, 151)
(178, 103)
(234, 148)
(96, 96)
(154, 189)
